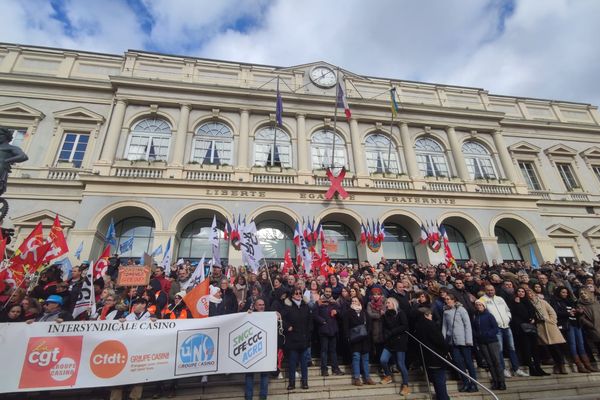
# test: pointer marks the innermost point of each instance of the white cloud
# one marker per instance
(547, 51)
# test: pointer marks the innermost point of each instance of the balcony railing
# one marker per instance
(139, 172)
(277, 179)
(579, 197)
(324, 181)
(445, 187)
(217, 176)
(391, 184)
(495, 189)
(545, 195)
(63, 174)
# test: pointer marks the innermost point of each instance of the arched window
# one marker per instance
(479, 162)
(213, 144)
(457, 243)
(149, 140)
(274, 238)
(194, 241)
(381, 154)
(321, 147)
(508, 245)
(398, 244)
(431, 158)
(340, 242)
(272, 147)
(141, 229)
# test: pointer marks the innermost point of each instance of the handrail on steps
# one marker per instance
(451, 365)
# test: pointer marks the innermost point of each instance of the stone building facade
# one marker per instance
(160, 144)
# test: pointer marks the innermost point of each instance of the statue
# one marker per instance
(9, 155)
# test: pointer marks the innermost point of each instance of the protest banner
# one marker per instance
(49, 356)
(138, 275)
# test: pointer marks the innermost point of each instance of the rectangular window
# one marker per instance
(567, 176)
(73, 148)
(18, 136)
(528, 171)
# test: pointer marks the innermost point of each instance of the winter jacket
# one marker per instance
(328, 325)
(375, 324)
(457, 326)
(395, 326)
(590, 320)
(352, 319)
(499, 309)
(485, 328)
(548, 332)
(522, 312)
(429, 333)
(300, 320)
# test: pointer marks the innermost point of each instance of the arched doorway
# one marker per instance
(398, 244)
(141, 229)
(340, 242)
(275, 237)
(457, 244)
(509, 248)
(194, 243)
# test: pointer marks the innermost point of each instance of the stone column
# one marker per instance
(244, 138)
(409, 152)
(303, 149)
(505, 159)
(357, 149)
(181, 135)
(457, 156)
(113, 134)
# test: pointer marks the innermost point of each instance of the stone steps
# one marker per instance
(339, 387)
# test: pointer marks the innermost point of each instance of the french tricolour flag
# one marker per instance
(342, 101)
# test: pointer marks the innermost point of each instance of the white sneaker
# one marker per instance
(507, 374)
(521, 373)
(297, 374)
(204, 379)
(280, 376)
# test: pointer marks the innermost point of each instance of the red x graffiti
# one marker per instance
(336, 184)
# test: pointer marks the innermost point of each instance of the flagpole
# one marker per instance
(337, 94)
(275, 129)
(390, 145)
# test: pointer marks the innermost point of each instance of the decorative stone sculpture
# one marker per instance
(9, 155)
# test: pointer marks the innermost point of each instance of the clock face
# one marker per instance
(323, 77)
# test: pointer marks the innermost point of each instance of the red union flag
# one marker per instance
(101, 266)
(35, 239)
(58, 243)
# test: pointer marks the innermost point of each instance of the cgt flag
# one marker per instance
(101, 266)
(58, 244)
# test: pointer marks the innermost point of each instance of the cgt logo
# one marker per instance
(51, 361)
(247, 344)
(108, 359)
(197, 351)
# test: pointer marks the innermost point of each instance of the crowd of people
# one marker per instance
(356, 315)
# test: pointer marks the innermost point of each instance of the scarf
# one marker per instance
(377, 304)
(357, 308)
(297, 302)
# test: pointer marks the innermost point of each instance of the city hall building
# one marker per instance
(160, 144)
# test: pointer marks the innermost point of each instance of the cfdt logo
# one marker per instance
(108, 359)
(197, 351)
(51, 361)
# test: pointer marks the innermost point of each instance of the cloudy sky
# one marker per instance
(545, 49)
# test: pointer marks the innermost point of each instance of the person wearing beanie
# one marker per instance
(215, 302)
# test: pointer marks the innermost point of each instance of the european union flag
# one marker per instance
(111, 234)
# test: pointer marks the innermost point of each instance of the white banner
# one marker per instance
(48, 355)
(251, 251)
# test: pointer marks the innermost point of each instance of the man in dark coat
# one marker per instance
(297, 324)
(430, 334)
(326, 320)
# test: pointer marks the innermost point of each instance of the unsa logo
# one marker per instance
(197, 348)
(247, 344)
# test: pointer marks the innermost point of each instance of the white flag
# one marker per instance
(213, 238)
(196, 278)
(305, 253)
(251, 251)
(87, 299)
(166, 261)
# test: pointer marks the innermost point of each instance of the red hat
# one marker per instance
(376, 290)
